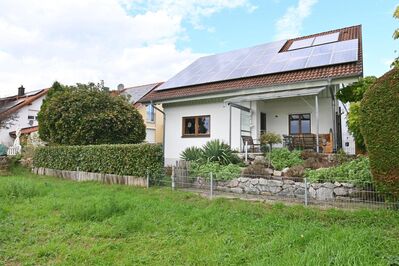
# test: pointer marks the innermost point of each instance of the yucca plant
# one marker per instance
(193, 154)
(218, 151)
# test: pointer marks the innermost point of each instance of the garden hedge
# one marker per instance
(120, 159)
(379, 121)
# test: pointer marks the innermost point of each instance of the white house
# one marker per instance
(287, 87)
(23, 108)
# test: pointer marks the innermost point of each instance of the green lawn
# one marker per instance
(46, 220)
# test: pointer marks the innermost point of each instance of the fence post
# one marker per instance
(306, 191)
(173, 178)
(246, 150)
(211, 195)
(148, 178)
(78, 173)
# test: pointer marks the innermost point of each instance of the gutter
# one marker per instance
(238, 90)
(163, 126)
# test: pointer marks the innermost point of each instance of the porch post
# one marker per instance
(317, 122)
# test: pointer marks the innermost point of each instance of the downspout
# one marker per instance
(334, 116)
(163, 126)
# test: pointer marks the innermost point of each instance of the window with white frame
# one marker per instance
(150, 113)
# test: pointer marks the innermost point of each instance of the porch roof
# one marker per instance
(276, 95)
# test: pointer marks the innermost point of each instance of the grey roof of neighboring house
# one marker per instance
(138, 92)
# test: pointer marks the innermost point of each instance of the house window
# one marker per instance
(299, 124)
(31, 117)
(196, 126)
(150, 113)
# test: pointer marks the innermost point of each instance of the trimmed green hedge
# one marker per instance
(379, 121)
(120, 159)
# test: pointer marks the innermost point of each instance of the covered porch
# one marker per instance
(306, 119)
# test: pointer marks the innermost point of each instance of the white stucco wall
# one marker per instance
(21, 121)
(219, 126)
(277, 112)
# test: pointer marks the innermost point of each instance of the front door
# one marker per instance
(262, 123)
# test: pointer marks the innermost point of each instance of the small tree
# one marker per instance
(88, 114)
(270, 138)
(379, 123)
(353, 94)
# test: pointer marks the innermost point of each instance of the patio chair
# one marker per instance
(249, 140)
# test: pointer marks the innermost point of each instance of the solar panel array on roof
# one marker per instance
(265, 59)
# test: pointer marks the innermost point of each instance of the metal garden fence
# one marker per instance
(347, 194)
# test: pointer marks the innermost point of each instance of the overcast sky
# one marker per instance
(135, 42)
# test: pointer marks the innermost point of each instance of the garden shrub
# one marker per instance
(218, 151)
(356, 171)
(212, 151)
(282, 158)
(220, 172)
(120, 159)
(379, 121)
(88, 114)
(193, 154)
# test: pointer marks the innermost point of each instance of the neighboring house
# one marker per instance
(153, 118)
(23, 107)
(287, 87)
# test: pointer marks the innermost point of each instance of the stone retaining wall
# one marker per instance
(87, 176)
(283, 188)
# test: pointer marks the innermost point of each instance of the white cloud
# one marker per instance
(290, 24)
(119, 41)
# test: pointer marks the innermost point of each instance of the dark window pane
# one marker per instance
(306, 116)
(262, 122)
(203, 125)
(189, 126)
(305, 126)
(294, 127)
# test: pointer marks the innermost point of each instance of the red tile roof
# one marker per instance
(318, 73)
(26, 130)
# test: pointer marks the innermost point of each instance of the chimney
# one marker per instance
(21, 91)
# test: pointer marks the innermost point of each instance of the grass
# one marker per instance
(46, 220)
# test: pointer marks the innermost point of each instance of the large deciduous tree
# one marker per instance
(379, 120)
(88, 114)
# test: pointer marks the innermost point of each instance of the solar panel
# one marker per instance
(295, 64)
(275, 67)
(319, 60)
(344, 56)
(261, 60)
(323, 49)
(328, 38)
(301, 43)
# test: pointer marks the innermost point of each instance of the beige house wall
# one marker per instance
(157, 125)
